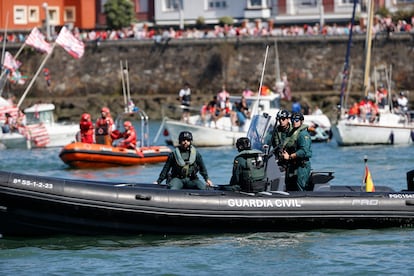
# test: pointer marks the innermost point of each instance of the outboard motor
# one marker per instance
(410, 180)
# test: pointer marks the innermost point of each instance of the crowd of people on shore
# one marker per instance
(159, 34)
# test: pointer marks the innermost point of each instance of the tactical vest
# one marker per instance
(186, 168)
(290, 142)
(253, 174)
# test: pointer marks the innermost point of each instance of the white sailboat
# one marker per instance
(389, 128)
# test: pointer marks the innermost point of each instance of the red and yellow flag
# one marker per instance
(369, 184)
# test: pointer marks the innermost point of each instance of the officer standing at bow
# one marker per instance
(297, 152)
(185, 162)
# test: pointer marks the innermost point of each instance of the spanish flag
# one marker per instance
(369, 184)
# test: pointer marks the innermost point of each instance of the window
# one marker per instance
(214, 4)
(172, 5)
(308, 3)
(70, 14)
(33, 15)
(19, 15)
(254, 4)
(53, 16)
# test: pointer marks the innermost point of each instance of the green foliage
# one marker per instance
(200, 22)
(383, 11)
(403, 15)
(119, 13)
(226, 20)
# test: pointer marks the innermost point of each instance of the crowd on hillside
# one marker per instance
(142, 32)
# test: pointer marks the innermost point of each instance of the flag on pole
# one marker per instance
(37, 40)
(70, 43)
(11, 63)
(369, 184)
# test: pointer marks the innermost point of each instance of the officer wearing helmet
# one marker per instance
(248, 168)
(280, 132)
(297, 153)
(185, 162)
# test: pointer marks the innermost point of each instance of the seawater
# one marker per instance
(322, 252)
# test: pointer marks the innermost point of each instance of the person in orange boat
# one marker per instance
(129, 137)
(104, 126)
(86, 129)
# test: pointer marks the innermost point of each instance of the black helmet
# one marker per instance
(243, 143)
(283, 114)
(297, 115)
(185, 135)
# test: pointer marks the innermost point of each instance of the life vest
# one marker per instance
(185, 168)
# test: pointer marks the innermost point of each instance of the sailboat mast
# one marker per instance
(277, 65)
(346, 72)
(368, 44)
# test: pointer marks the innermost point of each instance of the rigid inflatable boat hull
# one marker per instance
(31, 205)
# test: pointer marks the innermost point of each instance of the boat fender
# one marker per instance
(410, 180)
(142, 197)
(412, 135)
(391, 138)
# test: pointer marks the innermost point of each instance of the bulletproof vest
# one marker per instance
(253, 171)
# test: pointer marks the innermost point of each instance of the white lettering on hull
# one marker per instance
(264, 203)
(401, 195)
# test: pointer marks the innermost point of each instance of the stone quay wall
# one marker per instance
(158, 70)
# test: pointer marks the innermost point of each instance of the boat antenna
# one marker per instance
(345, 73)
(123, 86)
(261, 82)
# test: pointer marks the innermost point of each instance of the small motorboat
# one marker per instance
(103, 154)
(83, 155)
(33, 205)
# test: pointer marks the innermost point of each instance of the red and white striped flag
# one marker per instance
(70, 43)
(37, 40)
(11, 63)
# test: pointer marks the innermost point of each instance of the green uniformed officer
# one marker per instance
(185, 162)
(248, 168)
(280, 132)
(297, 153)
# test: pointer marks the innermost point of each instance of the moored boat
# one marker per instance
(389, 127)
(41, 130)
(209, 133)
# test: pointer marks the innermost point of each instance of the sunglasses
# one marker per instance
(296, 120)
(282, 119)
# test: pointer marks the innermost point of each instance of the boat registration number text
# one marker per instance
(264, 203)
(35, 184)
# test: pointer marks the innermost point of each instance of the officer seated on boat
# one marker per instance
(248, 168)
(185, 162)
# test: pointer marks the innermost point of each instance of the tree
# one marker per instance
(119, 13)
